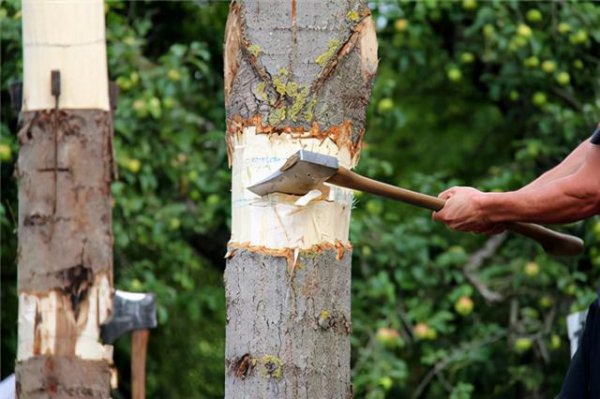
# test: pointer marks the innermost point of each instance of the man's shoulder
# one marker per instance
(596, 136)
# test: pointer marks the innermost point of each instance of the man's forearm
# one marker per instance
(567, 167)
(562, 200)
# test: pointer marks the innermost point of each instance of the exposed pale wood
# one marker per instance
(65, 35)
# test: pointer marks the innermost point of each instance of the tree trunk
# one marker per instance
(297, 75)
(64, 173)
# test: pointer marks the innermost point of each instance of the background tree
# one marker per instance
(464, 95)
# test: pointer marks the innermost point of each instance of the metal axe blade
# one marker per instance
(131, 311)
(301, 173)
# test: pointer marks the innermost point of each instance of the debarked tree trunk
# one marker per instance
(298, 74)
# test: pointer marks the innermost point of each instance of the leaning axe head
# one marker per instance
(131, 311)
(302, 172)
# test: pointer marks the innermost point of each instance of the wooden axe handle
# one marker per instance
(139, 345)
(553, 242)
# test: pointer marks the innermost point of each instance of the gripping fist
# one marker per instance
(463, 211)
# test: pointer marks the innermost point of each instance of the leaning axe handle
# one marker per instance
(553, 242)
(139, 345)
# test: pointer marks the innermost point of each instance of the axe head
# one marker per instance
(131, 311)
(302, 172)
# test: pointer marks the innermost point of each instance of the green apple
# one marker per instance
(548, 66)
(545, 301)
(539, 98)
(579, 37)
(140, 107)
(124, 83)
(422, 331)
(385, 105)
(174, 74)
(563, 27)
(401, 24)
(522, 345)
(524, 31)
(514, 95)
(464, 306)
(563, 78)
(531, 62)
(469, 4)
(169, 102)
(389, 337)
(174, 223)
(534, 15)
(467, 57)
(454, 74)
(134, 165)
(386, 383)
(488, 30)
(5, 152)
(531, 269)
(554, 342)
(213, 200)
(596, 228)
(578, 64)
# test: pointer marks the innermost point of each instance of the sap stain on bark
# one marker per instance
(77, 281)
(243, 366)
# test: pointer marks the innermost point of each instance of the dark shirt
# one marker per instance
(596, 137)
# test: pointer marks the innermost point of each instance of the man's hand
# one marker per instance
(463, 211)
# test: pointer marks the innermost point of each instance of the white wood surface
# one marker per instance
(65, 35)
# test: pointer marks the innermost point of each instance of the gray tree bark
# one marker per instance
(294, 68)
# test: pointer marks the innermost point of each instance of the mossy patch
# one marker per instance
(299, 100)
(260, 91)
(272, 366)
(254, 49)
(310, 108)
(353, 15)
(276, 116)
(324, 58)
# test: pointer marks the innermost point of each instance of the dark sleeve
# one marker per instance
(596, 137)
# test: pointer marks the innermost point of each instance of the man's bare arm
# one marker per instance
(568, 198)
(568, 166)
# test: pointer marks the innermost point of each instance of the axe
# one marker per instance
(136, 312)
(306, 170)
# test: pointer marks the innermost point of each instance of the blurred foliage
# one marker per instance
(479, 93)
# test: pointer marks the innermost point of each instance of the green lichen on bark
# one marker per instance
(324, 58)
(280, 86)
(271, 366)
(254, 49)
(299, 100)
(260, 91)
(310, 108)
(276, 116)
(353, 15)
